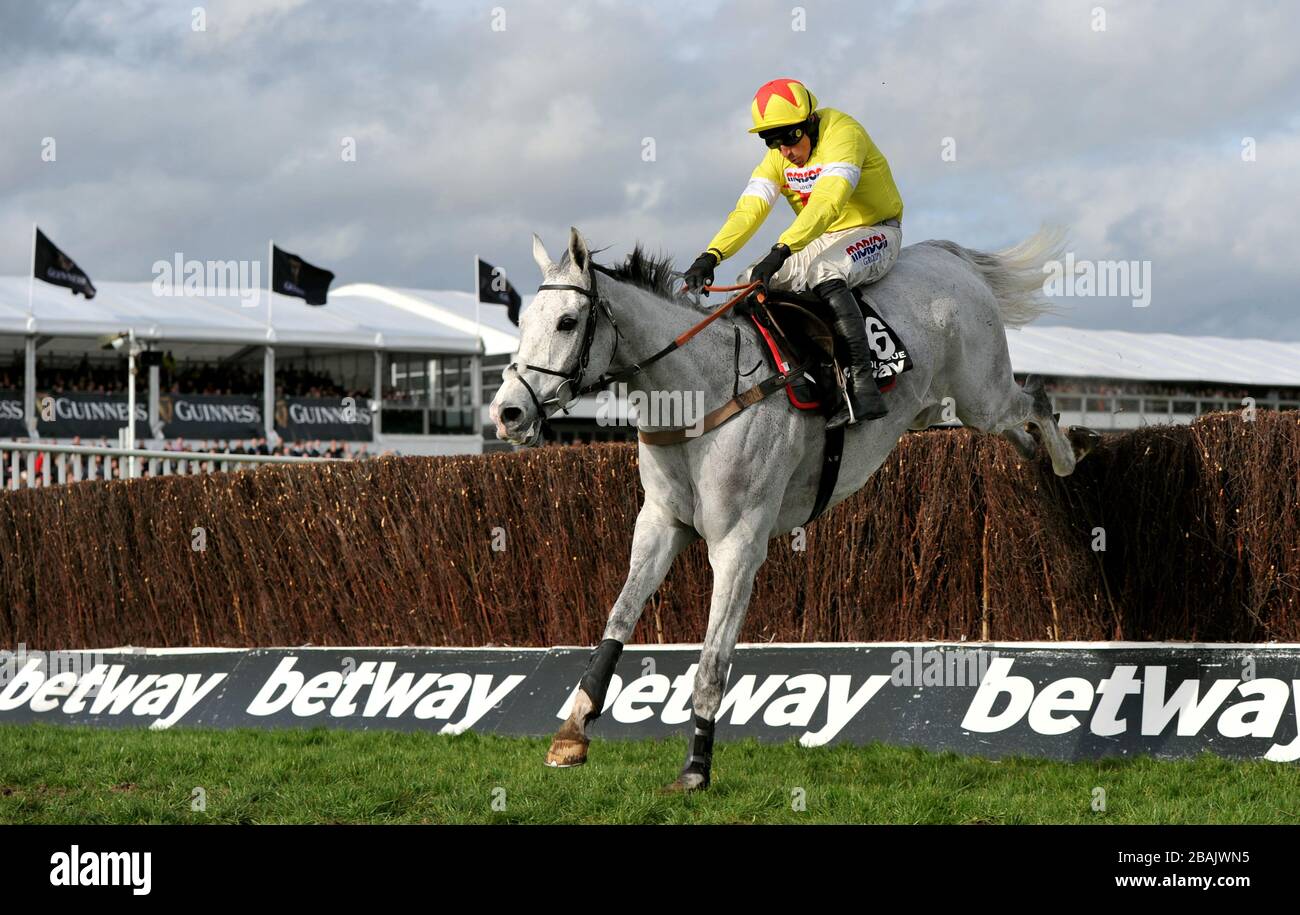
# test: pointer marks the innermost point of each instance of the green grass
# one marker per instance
(54, 774)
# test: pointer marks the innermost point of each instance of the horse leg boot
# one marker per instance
(862, 396)
(569, 746)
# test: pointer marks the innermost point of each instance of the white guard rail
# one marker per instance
(74, 463)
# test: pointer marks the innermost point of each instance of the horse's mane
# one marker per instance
(654, 273)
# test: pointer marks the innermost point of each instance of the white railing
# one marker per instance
(64, 463)
(1131, 411)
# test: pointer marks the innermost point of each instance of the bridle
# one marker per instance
(600, 305)
(573, 378)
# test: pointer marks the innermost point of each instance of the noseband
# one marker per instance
(573, 378)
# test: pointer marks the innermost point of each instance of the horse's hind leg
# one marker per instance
(1058, 446)
(1006, 414)
(937, 414)
(1026, 447)
(656, 542)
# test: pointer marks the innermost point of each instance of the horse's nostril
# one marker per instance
(510, 414)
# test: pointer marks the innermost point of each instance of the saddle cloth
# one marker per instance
(889, 357)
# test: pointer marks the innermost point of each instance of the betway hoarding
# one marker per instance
(1056, 701)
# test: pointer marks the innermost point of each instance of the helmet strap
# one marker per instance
(810, 128)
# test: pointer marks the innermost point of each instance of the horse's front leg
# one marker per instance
(656, 541)
(735, 561)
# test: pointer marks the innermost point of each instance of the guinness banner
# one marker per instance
(210, 416)
(1071, 701)
(11, 415)
(89, 415)
(189, 416)
(300, 419)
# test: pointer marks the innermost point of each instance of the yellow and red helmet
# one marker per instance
(780, 103)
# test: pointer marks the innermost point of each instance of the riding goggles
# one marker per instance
(783, 136)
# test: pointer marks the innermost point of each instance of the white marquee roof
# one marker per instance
(358, 320)
(449, 307)
(1079, 353)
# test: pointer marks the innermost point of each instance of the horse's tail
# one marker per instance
(1016, 276)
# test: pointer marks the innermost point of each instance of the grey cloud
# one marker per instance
(471, 139)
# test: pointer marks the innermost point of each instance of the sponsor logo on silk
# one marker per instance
(866, 247)
(801, 181)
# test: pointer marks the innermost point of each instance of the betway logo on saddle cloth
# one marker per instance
(1062, 702)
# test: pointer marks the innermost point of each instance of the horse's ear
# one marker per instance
(539, 254)
(578, 253)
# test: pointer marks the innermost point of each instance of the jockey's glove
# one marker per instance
(701, 273)
(765, 269)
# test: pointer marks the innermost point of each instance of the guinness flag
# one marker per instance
(291, 275)
(495, 289)
(53, 266)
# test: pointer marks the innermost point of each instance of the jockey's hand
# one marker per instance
(701, 273)
(765, 269)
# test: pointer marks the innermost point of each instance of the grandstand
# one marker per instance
(1111, 379)
(395, 369)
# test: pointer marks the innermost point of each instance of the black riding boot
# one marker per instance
(862, 396)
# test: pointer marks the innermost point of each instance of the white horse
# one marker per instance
(755, 477)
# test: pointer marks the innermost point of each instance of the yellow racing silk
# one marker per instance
(845, 183)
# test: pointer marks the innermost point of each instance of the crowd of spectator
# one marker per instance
(318, 448)
(101, 377)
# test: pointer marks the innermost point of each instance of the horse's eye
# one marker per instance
(567, 323)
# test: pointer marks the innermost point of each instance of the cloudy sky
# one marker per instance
(1165, 132)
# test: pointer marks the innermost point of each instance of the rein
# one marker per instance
(600, 305)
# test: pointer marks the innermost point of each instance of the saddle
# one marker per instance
(795, 328)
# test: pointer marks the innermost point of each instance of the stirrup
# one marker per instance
(841, 416)
(858, 405)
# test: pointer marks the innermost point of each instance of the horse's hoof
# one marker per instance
(566, 753)
(687, 782)
(1082, 440)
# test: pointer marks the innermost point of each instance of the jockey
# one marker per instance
(847, 228)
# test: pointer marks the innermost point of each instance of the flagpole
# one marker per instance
(478, 297)
(29, 353)
(31, 277)
(270, 271)
(268, 354)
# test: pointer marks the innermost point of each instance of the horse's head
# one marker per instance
(564, 343)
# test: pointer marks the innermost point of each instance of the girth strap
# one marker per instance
(831, 454)
(713, 419)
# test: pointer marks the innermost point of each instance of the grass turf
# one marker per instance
(57, 774)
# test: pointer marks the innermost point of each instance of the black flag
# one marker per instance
(291, 275)
(495, 289)
(53, 266)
